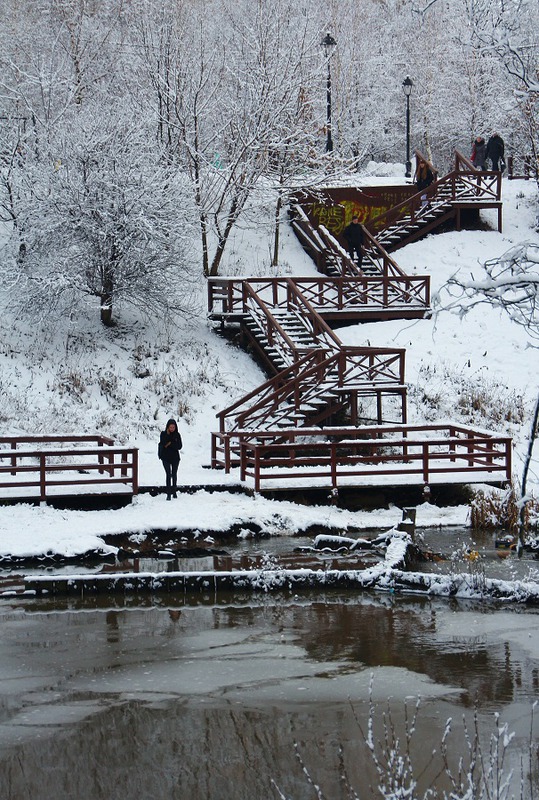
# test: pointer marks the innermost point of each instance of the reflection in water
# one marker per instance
(211, 700)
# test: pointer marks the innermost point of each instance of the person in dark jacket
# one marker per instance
(423, 175)
(353, 233)
(479, 153)
(170, 444)
(496, 151)
(423, 178)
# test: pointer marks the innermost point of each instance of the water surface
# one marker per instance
(242, 697)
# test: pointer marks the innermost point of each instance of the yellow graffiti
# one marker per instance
(363, 212)
(336, 217)
(328, 216)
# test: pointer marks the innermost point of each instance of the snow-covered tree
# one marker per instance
(104, 217)
(229, 105)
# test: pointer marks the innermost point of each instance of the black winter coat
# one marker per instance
(495, 148)
(353, 233)
(170, 445)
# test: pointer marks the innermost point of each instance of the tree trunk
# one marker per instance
(524, 501)
(278, 207)
(233, 214)
(107, 289)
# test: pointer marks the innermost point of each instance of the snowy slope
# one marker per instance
(75, 376)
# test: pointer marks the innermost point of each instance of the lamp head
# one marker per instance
(407, 86)
(328, 41)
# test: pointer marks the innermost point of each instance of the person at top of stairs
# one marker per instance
(423, 175)
(479, 153)
(353, 233)
(423, 178)
(496, 152)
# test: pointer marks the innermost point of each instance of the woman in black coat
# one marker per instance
(170, 444)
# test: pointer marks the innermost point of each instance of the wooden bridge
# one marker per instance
(329, 414)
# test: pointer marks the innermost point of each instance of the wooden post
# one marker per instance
(425, 459)
(42, 479)
(123, 462)
(257, 469)
(333, 465)
(14, 458)
(134, 468)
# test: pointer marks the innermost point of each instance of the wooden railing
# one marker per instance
(322, 246)
(266, 433)
(424, 451)
(339, 381)
(228, 296)
(44, 466)
(464, 184)
(522, 168)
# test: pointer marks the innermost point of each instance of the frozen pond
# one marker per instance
(183, 696)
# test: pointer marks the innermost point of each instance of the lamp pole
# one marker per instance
(328, 43)
(407, 88)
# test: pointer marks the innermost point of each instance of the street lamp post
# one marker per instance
(407, 88)
(328, 43)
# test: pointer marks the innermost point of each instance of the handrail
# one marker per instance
(462, 159)
(316, 320)
(387, 261)
(275, 381)
(364, 451)
(413, 205)
(345, 288)
(320, 372)
(333, 246)
(15, 439)
(249, 293)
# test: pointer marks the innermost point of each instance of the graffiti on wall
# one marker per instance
(336, 209)
(336, 218)
(331, 217)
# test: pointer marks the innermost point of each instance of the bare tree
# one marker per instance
(227, 104)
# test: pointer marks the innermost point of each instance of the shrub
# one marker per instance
(491, 510)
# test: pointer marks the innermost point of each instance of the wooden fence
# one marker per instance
(333, 454)
(47, 463)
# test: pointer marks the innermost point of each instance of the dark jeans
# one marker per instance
(356, 249)
(171, 471)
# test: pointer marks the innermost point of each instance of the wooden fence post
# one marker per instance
(14, 458)
(134, 473)
(42, 479)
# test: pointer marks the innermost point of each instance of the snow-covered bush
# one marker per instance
(495, 509)
(479, 401)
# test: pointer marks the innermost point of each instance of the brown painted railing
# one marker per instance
(266, 432)
(463, 184)
(522, 168)
(423, 451)
(323, 247)
(227, 296)
(349, 369)
(339, 381)
(44, 466)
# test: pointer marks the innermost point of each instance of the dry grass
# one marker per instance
(501, 510)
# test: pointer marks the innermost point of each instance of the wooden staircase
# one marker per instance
(463, 188)
(315, 382)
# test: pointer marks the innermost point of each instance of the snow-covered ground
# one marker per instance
(75, 376)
